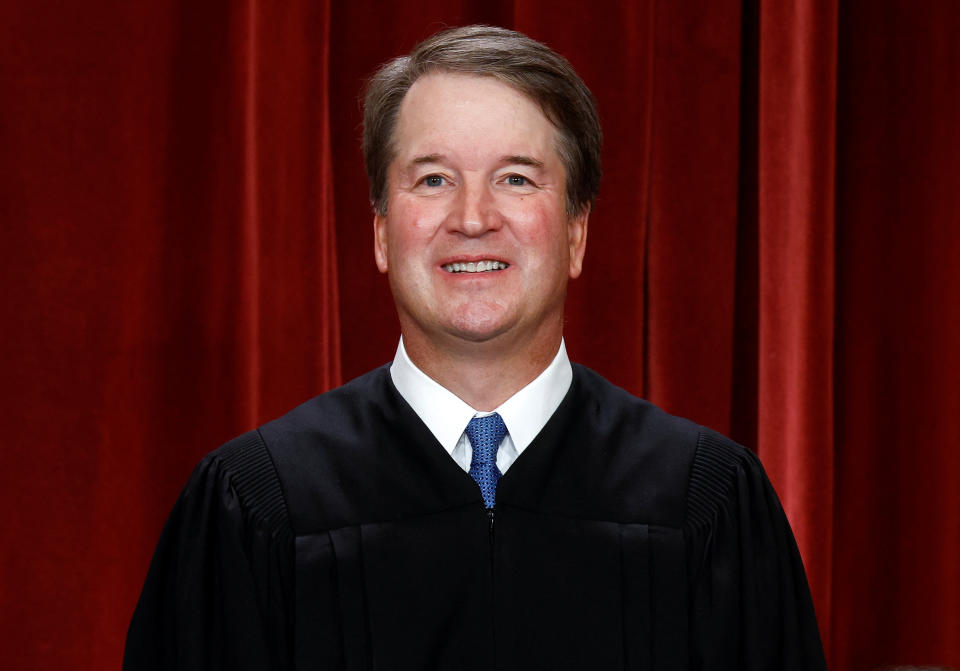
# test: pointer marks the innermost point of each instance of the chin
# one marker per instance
(476, 333)
(479, 328)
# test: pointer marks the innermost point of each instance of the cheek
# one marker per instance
(412, 226)
(540, 228)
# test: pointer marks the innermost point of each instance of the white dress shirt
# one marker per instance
(446, 415)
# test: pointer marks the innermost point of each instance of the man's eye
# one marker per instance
(433, 180)
(516, 180)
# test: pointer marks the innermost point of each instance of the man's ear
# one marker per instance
(380, 242)
(577, 239)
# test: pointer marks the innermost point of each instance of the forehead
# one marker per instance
(470, 116)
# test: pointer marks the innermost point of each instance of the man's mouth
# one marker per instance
(485, 266)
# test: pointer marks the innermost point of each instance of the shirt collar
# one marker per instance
(446, 415)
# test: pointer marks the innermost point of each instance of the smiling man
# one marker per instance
(481, 502)
(476, 230)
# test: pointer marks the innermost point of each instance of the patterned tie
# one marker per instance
(485, 434)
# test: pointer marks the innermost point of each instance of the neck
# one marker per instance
(483, 375)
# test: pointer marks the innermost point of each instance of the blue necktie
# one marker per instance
(485, 434)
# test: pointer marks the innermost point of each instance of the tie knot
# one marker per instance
(485, 434)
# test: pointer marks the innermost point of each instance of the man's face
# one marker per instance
(477, 183)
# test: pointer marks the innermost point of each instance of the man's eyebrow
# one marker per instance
(428, 158)
(510, 159)
(522, 160)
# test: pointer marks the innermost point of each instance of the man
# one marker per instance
(481, 503)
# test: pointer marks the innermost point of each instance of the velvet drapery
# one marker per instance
(775, 253)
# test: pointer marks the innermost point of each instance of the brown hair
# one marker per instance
(511, 57)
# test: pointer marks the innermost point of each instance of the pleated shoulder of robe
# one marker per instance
(343, 536)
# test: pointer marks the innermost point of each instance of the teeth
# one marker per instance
(475, 267)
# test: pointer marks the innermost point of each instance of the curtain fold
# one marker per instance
(797, 79)
(169, 282)
(774, 253)
(897, 544)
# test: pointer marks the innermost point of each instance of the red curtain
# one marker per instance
(775, 253)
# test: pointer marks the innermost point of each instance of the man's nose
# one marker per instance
(475, 210)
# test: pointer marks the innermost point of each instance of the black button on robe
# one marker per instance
(343, 536)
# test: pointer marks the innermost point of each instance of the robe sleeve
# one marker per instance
(218, 591)
(750, 604)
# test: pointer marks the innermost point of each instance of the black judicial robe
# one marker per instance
(343, 536)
